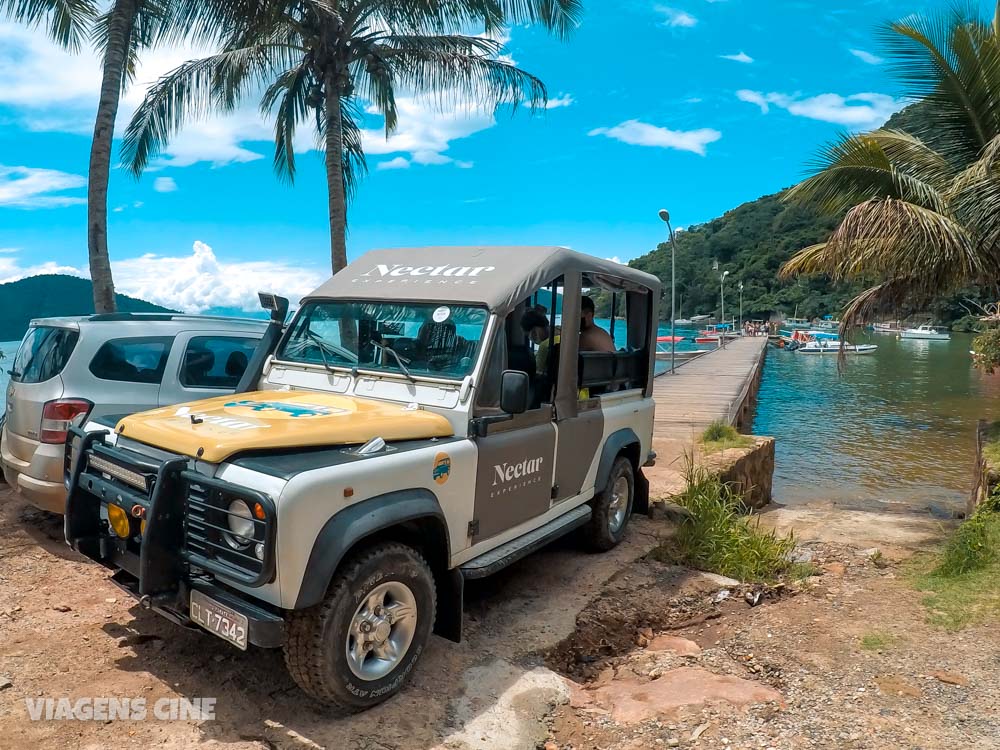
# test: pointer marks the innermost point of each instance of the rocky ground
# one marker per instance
(564, 650)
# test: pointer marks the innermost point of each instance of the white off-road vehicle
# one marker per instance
(400, 436)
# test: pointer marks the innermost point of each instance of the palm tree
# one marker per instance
(922, 204)
(124, 30)
(319, 60)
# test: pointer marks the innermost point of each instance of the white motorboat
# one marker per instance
(823, 342)
(796, 324)
(886, 327)
(925, 333)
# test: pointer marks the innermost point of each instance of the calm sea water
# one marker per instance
(897, 427)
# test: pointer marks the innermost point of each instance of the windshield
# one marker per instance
(414, 339)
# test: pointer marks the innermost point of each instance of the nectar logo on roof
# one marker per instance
(383, 273)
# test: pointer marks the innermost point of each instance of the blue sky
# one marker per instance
(693, 105)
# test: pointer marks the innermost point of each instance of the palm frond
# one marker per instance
(66, 21)
(193, 90)
(452, 76)
(291, 89)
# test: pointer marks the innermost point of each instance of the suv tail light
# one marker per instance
(57, 416)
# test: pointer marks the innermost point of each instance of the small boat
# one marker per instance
(828, 324)
(886, 327)
(824, 342)
(925, 333)
(669, 339)
(683, 322)
(715, 333)
(797, 324)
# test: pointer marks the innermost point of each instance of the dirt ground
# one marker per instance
(564, 650)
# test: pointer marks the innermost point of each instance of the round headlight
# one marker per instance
(241, 524)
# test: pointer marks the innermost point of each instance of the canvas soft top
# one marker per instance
(498, 277)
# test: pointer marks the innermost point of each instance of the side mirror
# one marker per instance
(514, 386)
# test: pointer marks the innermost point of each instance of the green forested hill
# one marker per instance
(751, 242)
(52, 296)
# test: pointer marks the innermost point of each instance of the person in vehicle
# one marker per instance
(535, 324)
(593, 338)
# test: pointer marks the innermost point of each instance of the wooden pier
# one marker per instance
(719, 385)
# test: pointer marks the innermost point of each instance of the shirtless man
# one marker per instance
(592, 337)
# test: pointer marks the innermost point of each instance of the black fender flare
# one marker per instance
(353, 524)
(616, 442)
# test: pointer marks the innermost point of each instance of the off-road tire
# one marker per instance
(315, 650)
(598, 535)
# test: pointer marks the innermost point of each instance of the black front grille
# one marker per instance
(211, 543)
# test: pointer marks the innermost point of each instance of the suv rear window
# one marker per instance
(139, 360)
(43, 354)
(216, 361)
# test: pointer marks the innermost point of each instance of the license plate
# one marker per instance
(219, 619)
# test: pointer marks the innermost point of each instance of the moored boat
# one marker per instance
(925, 333)
(824, 342)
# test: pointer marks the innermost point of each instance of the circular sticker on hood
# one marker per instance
(442, 314)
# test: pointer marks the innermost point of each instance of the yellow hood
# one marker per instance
(217, 428)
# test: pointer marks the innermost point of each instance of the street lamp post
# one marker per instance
(665, 217)
(722, 289)
(741, 305)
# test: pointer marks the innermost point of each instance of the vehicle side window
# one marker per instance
(43, 354)
(138, 360)
(216, 361)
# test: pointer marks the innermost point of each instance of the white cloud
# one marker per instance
(26, 187)
(12, 270)
(200, 281)
(563, 100)
(867, 57)
(858, 111)
(741, 57)
(676, 17)
(615, 259)
(754, 97)
(51, 90)
(165, 185)
(192, 283)
(400, 162)
(637, 133)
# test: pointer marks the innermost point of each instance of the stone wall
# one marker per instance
(987, 474)
(749, 470)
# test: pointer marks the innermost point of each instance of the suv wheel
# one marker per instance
(612, 507)
(359, 646)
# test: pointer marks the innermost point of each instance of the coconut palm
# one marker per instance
(120, 34)
(922, 205)
(326, 61)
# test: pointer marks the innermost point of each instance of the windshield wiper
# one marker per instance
(321, 345)
(399, 361)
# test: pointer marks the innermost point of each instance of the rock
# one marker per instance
(869, 552)
(835, 568)
(698, 732)
(550, 745)
(110, 600)
(721, 596)
(62, 608)
(718, 580)
(5, 682)
(633, 702)
(950, 678)
(679, 646)
(753, 598)
(799, 555)
(892, 685)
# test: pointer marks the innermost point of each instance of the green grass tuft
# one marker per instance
(878, 641)
(961, 581)
(720, 436)
(719, 537)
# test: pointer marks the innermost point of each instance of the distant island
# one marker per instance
(54, 295)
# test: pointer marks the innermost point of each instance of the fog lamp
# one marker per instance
(119, 521)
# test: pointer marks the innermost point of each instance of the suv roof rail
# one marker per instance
(112, 317)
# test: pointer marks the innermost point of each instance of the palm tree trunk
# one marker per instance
(119, 38)
(335, 174)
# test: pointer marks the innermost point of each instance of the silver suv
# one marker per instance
(86, 368)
